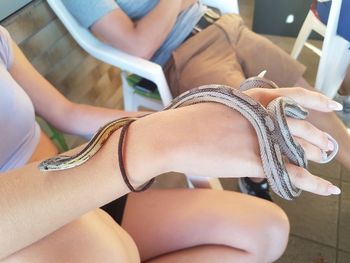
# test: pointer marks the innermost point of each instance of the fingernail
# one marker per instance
(324, 156)
(334, 190)
(330, 145)
(334, 105)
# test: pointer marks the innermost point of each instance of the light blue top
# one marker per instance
(87, 12)
(19, 132)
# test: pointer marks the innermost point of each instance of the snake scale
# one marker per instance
(275, 140)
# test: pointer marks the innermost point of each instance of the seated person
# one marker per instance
(54, 216)
(224, 53)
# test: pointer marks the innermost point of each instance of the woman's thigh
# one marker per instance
(94, 237)
(162, 221)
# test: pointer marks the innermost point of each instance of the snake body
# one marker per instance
(275, 140)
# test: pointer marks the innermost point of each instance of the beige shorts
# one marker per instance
(226, 53)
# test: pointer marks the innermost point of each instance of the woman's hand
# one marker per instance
(213, 140)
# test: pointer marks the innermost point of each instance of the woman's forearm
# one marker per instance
(85, 120)
(33, 204)
(143, 37)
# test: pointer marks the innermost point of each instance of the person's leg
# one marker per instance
(345, 87)
(200, 254)
(344, 92)
(209, 57)
(93, 238)
(205, 224)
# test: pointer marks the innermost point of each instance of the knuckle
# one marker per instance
(320, 155)
(302, 91)
(297, 173)
(307, 126)
(321, 187)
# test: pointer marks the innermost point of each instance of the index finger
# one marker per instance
(310, 99)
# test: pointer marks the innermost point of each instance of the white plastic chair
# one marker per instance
(335, 54)
(131, 64)
(127, 63)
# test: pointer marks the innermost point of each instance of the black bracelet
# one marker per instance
(123, 133)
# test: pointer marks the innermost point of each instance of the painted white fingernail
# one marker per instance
(334, 105)
(324, 156)
(330, 145)
(334, 190)
(331, 153)
(262, 73)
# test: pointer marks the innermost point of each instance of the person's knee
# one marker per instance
(87, 239)
(103, 241)
(274, 233)
(265, 231)
(262, 226)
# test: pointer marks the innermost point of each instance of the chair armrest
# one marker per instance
(126, 62)
(225, 6)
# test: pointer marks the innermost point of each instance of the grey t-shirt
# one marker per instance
(87, 12)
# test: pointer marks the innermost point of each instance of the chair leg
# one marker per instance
(333, 65)
(303, 35)
(128, 95)
(203, 182)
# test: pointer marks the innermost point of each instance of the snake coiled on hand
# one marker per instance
(276, 143)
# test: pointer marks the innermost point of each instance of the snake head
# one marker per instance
(51, 164)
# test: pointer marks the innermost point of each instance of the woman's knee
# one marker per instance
(273, 228)
(87, 239)
(105, 241)
(262, 227)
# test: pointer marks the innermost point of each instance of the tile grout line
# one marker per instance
(313, 241)
(339, 214)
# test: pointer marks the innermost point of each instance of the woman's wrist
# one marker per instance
(144, 154)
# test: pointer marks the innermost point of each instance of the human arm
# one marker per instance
(143, 37)
(69, 117)
(34, 204)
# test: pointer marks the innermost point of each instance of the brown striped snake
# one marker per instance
(275, 140)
